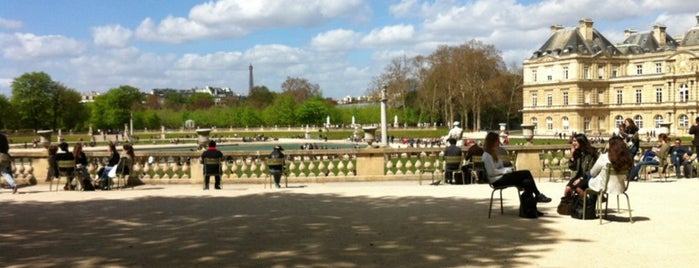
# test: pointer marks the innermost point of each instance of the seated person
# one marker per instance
(618, 155)
(680, 157)
(655, 156)
(64, 155)
(451, 150)
(475, 150)
(499, 175)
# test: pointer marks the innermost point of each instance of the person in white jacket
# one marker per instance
(618, 155)
(499, 175)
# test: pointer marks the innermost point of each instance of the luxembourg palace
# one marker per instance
(578, 81)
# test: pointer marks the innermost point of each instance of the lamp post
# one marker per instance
(384, 123)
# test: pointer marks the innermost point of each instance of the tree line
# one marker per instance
(469, 83)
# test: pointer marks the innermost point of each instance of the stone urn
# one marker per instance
(528, 132)
(203, 137)
(44, 137)
(369, 135)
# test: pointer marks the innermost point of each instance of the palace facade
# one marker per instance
(578, 81)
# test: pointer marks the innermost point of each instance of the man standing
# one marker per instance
(211, 158)
(277, 170)
(694, 130)
(456, 133)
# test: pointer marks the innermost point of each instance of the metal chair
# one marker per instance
(216, 163)
(602, 194)
(66, 168)
(454, 160)
(476, 166)
(546, 160)
(123, 172)
(428, 165)
(277, 162)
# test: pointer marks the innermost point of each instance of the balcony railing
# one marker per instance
(31, 167)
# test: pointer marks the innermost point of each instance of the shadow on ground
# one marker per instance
(281, 229)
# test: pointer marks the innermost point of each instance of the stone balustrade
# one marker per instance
(30, 166)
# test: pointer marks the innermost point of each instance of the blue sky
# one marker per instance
(340, 45)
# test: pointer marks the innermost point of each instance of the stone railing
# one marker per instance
(30, 166)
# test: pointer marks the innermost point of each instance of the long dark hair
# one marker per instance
(619, 155)
(77, 149)
(129, 150)
(491, 141)
(585, 146)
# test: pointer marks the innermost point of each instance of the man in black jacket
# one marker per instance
(64, 155)
(211, 158)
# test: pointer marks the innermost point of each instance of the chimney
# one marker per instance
(659, 34)
(585, 29)
(555, 28)
(628, 32)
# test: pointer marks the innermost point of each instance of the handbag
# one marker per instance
(576, 211)
(565, 205)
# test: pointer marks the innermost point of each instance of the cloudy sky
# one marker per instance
(95, 45)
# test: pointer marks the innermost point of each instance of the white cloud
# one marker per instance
(389, 35)
(111, 36)
(218, 60)
(237, 18)
(339, 39)
(26, 46)
(10, 24)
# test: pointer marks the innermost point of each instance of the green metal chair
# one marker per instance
(428, 166)
(602, 194)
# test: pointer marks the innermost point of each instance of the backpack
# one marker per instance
(527, 206)
(576, 210)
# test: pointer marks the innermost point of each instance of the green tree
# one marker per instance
(31, 96)
(67, 111)
(260, 97)
(201, 101)
(7, 114)
(313, 112)
(113, 109)
(281, 112)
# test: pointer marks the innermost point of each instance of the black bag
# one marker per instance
(87, 184)
(576, 210)
(565, 205)
(527, 206)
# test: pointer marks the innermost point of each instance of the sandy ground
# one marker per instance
(358, 224)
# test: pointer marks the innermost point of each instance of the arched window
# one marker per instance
(657, 120)
(638, 119)
(618, 120)
(684, 121)
(535, 122)
(565, 123)
(549, 123)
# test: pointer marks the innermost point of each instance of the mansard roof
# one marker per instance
(691, 38)
(568, 41)
(639, 43)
